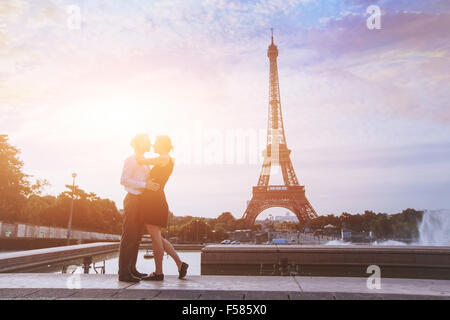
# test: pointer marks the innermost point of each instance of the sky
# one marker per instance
(365, 111)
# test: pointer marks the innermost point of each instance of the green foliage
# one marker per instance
(21, 201)
(402, 225)
(196, 230)
(227, 221)
(14, 184)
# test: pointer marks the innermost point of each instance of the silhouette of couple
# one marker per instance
(146, 207)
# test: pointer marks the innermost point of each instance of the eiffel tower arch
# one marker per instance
(290, 195)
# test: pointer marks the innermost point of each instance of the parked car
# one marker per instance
(226, 242)
(280, 241)
(236, 242)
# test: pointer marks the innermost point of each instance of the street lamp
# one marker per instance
(69, 228)
(196, 230)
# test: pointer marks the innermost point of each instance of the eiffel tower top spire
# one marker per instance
(273, 49)
(275, 130)
(276, 153)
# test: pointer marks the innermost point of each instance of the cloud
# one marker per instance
(222, 36)
(349, 33)
(11, 10)
(341, 83)
(432, 7)
(265, 7)
(403, 69)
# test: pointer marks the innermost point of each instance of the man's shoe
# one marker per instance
(138, 274)
(129, 278)
(154, 277)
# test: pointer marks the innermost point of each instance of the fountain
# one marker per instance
(428, 258)
(434, 229)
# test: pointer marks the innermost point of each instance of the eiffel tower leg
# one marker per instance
(304, 211)
(311, 212)
(252, 211)
(290, 179)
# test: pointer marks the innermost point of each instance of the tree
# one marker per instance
(22, 201)
(257, 227)
(90, 212)
(35, 208)
(220, 233)
(14, 184)
(196, 230)
(228, 221)
(381, 226)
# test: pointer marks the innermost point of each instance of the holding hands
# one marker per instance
(153, 186)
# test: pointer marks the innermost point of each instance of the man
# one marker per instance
(135, 178)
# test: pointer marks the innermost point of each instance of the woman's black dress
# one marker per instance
(153, 207)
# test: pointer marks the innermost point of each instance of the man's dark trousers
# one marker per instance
(131, 235)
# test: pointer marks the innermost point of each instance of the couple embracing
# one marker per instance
(146, 209)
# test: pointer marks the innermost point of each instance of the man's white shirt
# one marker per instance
(134, 176)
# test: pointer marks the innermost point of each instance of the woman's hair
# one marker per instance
(164, 142)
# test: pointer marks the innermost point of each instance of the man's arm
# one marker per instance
(126, 180)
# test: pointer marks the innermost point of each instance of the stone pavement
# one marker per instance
(92, 286)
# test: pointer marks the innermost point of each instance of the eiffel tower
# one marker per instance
(291, 195)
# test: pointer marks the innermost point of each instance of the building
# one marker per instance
(355, 237)
(242, 235)
(286, 218)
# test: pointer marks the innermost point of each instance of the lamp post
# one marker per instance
(197, 227)
(69, 228)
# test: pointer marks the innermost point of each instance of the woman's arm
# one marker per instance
(158, 161)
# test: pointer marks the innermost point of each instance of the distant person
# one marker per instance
(154, 210)
(135, 179)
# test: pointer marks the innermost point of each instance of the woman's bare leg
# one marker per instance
(157, 245)
(168, 247)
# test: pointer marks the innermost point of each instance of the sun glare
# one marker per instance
(127, 115)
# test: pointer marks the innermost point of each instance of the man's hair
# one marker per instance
(137, 138)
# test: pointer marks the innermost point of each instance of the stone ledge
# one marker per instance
(106, 287)
(131, 294)
(16, 261)
(419, 262)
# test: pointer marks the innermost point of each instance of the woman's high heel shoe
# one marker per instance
(154, 277)
(183, 270)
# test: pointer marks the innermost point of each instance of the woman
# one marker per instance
(154, 211)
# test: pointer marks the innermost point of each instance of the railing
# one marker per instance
(29, 259)
(26, 231)
(277, 188)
